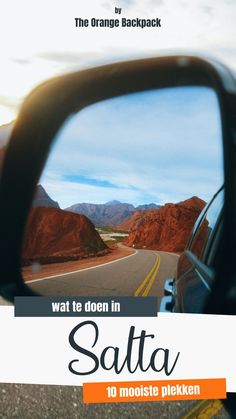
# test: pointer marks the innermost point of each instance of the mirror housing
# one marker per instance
(49, 105)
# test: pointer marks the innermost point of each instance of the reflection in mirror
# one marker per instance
(119, 195)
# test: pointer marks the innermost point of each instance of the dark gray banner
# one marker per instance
(85, 306)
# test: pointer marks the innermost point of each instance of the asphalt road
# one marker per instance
(140, 274)
(26, 401)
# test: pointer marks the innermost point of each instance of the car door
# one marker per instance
(196, 267)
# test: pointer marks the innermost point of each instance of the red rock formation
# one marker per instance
(167, 228)
(132, 220)
(54, 235)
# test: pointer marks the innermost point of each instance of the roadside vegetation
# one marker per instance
(111, 235)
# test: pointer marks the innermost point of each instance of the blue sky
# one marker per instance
(157, 146)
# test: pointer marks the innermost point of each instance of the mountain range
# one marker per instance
(165, 228)
(109, 214)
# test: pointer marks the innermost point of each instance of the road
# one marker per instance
(139, 274)
(26, 401)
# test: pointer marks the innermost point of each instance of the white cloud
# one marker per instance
(40, 39)
(156, 146)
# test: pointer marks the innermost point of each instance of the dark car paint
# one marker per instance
(195, 269)
(191, 291)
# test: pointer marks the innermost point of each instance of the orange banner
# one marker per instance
(143, 391)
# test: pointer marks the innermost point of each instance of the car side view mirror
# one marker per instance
(182, 107)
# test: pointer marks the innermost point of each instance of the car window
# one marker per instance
(205, 228)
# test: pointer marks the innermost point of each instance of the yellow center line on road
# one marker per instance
(206, 409)
(145, 286)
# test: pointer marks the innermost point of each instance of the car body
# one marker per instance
(189, 291)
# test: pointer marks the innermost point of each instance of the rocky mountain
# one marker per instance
(109, 214)
(54, 235)
(146, 207)
(42, 199)
(167, 228)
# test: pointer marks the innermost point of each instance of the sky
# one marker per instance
(157, 146)
(39, 38)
